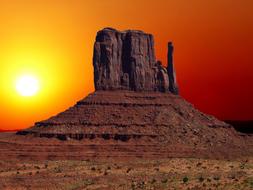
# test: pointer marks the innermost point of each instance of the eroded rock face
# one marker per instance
(126, 60)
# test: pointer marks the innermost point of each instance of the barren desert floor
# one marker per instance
(173, 173)
(42, 163)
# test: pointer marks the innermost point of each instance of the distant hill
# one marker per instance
(4, 130)
(242, 126)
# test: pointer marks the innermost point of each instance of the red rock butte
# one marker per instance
(136, 109)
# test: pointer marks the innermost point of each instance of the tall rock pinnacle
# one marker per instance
(126, 61)
(171, 70)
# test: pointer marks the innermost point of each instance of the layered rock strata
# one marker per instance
(128, 115)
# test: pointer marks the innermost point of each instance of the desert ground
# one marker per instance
(171, 173)
(43, 163)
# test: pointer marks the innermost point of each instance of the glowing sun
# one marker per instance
(27, 85)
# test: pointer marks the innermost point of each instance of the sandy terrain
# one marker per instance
(42, 163)
(174, 173)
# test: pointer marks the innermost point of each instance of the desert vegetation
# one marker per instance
(174, 173)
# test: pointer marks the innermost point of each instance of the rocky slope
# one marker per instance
(125, 115)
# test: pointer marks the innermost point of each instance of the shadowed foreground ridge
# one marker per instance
(136, 108)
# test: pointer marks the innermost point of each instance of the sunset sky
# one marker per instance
(52, 42)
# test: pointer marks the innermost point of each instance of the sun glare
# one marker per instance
(27, 85)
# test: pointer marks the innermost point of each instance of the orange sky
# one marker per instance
(53, 40)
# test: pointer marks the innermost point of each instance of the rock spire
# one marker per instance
(173, 88)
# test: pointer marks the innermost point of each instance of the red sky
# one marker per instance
(53, 40)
